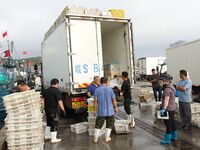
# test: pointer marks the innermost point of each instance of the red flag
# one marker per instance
(24, 52)
(5, 34)
(7, 53)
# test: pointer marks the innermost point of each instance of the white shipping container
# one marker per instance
(146, 64)
(184, 56)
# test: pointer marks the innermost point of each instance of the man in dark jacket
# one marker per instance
(126, 90)
(52, 99)
(156, 85)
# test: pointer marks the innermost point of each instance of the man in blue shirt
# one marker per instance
(184, 88)
(104, 99)
(93, 86)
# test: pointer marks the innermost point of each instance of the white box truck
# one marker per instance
(184, 56)
(76, 48)
(146, 64)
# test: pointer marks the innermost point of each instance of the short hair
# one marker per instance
(21, 82)
(125, 74)
(153, 70)
(183, 72)
(95, 77)
(54, 81)
(103, 80)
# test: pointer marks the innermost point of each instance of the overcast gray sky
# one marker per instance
(157, 23)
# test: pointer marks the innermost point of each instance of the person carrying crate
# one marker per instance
(52, 98)
(168, 108)
(105, 102)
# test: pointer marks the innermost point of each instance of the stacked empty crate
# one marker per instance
(195, 109)
(90, 125)
(24, 126)
(92, 118)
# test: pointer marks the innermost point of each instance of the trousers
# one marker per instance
(185, 113)
(52, 121)
(170, 123)
(127, 106)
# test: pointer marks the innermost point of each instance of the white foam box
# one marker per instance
(122, 126)
(75, 10)
(80, 127)
(90, 101)
(91, 132)
(145, 105)
(162, 117)
(92, 11)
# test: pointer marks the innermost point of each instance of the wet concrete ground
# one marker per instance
(145, 136)
(137, 140)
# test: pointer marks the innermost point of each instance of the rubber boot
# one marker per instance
(47, 133)
(174, 136)
(167, 139)
(129, 117)
(96, 135)
(132, 120)
(107, 135)
(54, 138)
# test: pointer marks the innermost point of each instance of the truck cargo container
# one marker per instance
(146, 64)
(184, 56)
(77, 47)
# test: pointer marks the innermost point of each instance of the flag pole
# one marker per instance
(8, 44)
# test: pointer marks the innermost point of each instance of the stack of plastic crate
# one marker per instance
(92, 118)
(24, 126)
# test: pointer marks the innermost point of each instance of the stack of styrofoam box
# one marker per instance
(24, 125)
(79, 127)
(195, 110)
(75, 10)
(122, 126)
(92, 119)
(92, 11)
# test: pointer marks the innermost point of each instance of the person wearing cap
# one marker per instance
(184, 88)
(126, 90)
(168, 106)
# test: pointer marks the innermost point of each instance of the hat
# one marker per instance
(166, 77)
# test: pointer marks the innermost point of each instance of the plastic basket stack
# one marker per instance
(24, 126)
(92, 118)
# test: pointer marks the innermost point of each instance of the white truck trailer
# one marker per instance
(78, 46)
(146, 64)
(184, 56)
